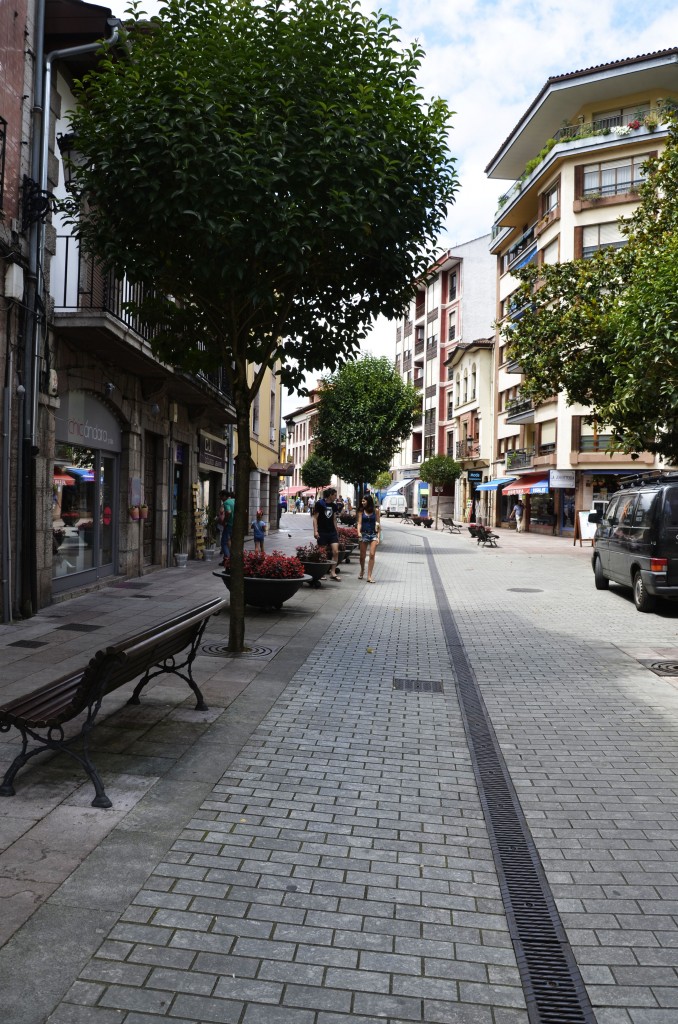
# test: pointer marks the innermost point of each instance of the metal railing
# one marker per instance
(468, 449)
(595, 443)
(519, 458)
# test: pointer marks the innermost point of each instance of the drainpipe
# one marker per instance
(26, 556)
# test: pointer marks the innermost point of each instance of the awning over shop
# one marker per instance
(492, 485)
(282, 468)
(531, 483)
(289, 492)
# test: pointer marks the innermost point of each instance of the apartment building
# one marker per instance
(575, 160)
(104, 445)
(444, 346)
(299, 438)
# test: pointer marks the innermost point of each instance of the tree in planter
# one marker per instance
(365, 412)
(439, 471)
(316, 471)
(605, 329)
(274, 168)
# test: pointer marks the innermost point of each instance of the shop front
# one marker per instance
(85, 492)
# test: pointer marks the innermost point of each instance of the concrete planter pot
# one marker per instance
(266, 593)
(316, 570)
(180, 560)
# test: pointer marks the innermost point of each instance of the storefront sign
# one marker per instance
(85, 421)
(561, 478)
(211, 452)
(475, 475)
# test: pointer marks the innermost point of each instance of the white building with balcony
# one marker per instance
(576, 160)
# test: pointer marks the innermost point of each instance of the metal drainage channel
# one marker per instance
(553, 987)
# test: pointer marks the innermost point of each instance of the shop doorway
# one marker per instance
(152, 456)
(84, 496)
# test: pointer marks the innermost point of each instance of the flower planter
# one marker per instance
(143, 512)
(209, 553)
(134, 514)
(261, 592)
(316, 570)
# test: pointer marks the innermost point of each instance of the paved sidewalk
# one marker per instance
(314, 851)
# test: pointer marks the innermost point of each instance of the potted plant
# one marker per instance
(651, 122)
(86, 530)
(180, 539)
(270, 580)
(133, 512)
(316, 560)
(143, 511)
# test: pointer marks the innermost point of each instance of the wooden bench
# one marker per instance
(41, 714)
(421, 521)
(486, 537)
(449, 524)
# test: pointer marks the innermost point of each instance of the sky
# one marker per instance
(488, 59)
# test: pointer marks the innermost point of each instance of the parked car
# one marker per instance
(636, 540)
(393, 505)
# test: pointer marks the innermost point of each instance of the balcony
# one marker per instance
(520, 410)
(418, 346)
(520, 458)
(417, 456)
(93, 307)
(595, 442)
(418, 382)
(467, 449)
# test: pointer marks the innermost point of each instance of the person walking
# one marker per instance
(325, 527)
(259, 531)
(518, 513)
(369, 528)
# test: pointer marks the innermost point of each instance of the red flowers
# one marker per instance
(275, 566)
(348, 534)
(310, 553)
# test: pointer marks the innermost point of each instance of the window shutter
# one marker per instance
(578, 181)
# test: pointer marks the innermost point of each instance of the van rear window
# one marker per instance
(671, 507)
(644, 511)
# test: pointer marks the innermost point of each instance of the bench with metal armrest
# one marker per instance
(486, 537)
(449, 524)
(41, 714)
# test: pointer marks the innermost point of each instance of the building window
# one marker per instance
(550, 199)
(452, 286)
(473, 382)
(600, 236)
(465, 399)
(549, 253)
(457, 390)
(622, 115)
(613, 177)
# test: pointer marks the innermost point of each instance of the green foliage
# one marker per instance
(382, 481)
(365, 412)
(605, 330)
(273, 167)
(272, 178)
(440, 470)
(316, 471)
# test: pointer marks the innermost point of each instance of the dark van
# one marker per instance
(636, 541)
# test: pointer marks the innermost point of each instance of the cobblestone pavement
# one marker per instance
(316, 852)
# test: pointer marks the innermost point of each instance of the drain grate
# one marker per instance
(222, 651)
(28, 643)
(662, 668)
(79, 627)
(418, 685)
(524, 590)
(553, 987)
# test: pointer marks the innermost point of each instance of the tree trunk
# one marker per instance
(236, 635)
(437, 505)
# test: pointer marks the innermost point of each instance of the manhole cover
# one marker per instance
(525, 590)
(418, 685)
(663, 668)
(222, 651)
(28, 643)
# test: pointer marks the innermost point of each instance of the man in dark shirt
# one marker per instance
(325, 526)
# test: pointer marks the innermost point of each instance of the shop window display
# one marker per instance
(82, 510)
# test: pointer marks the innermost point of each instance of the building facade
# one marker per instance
(106, 450)
(444, 347)
(576, 161)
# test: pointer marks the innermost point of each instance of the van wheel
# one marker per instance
(644, 602)
(602, 582)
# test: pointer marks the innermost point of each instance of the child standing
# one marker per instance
(259, 531)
